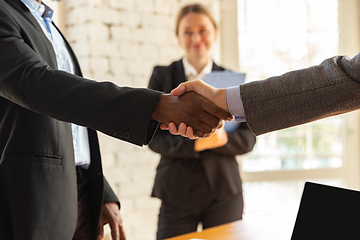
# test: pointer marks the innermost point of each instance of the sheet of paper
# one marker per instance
(225, 79)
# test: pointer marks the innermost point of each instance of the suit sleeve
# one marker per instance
(27, 80)
(109, 195)
(302, 96)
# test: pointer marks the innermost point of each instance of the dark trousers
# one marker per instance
(200, 206)
(83, 230)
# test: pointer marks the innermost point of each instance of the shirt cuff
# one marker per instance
(234, 103)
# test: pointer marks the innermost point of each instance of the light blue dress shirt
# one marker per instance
(43, 14)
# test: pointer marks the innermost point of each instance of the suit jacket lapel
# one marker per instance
(217, 68)
(18, 6)
(179, 73)
(24, 11)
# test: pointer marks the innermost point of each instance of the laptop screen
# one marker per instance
(327, 212)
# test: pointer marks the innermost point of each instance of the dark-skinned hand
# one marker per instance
(193, 110)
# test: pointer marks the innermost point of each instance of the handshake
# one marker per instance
(193, 109)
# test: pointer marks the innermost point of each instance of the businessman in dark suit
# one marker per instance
(196, 185)
(51, 180)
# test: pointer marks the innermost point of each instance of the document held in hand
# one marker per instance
(225, 79)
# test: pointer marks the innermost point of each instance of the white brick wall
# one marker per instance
(121, 41)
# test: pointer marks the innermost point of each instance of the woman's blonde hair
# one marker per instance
(193, 8)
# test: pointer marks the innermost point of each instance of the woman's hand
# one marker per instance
(218, 139)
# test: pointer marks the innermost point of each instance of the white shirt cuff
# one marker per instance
(234, 103)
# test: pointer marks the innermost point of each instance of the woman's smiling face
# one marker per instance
(196, 35)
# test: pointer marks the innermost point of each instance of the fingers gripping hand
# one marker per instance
(192, 109)
(183, 130)
(189, 132)
(199, 113)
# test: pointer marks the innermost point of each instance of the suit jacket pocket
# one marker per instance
(42, 196)
(34, 159)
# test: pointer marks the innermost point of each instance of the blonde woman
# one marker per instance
(198, 180)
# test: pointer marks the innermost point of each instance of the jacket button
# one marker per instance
(120, 134)
(127, 135)
(113, 132)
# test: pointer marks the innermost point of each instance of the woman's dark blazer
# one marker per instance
(177, 153)
(38, 190)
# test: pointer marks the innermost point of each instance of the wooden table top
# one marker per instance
(242, 230)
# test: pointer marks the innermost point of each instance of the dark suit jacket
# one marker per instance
(177, 153)
(38, 189)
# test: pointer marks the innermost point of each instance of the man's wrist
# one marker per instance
(221, 100)
(158, 114)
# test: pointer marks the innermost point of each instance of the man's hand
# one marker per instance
(186, 131)
(217, 96)
(193, 110)
(111, 214)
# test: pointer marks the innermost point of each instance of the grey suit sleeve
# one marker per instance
(302, 96)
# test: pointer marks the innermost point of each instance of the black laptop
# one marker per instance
(327, 213)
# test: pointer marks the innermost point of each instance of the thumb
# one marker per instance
(100, 233)
(180, 90)
(187, 87)
(197, 86)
